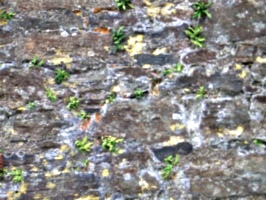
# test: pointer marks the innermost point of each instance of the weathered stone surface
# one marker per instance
(246, 54)
(234, 23)
(35, 23)
(199, 56)
(18, 89)
(45, 42)
(182, 148)
(57, 4)
(162, 59)
(230, 177)
(230, 84)
(149, 126)
(226, 114)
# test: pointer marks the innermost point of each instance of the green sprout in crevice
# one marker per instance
(123, 4)
(109, 143)
(17, 175)
(50, 94)
(61, 75)
(167, 171)
(138, 94)
(258, 142)
(73, 103)
(31, 105)
(3, 172)
(166, 72)
(85, 162)
(201, 9)
(194, 34)
(118, 38)
(83, 115)
(6, 16)
(201, 93)
(83, 145)
(35, 62)
(176, 68)
(170, 162)
(110, 98)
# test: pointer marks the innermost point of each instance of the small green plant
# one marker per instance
(166, 172)
(50, 94)
(194, 35)
(17, 175)
(118, 37)
(85, 162)
(61, 75)
(138, 93)
(2, 172)
(200, 9)
(201, 92)
(73, 103)
(109, 143)
(166, 72)
(176, 68)
(6, 16)
(258, 142)
(83, 115)
(171, 160)
(31, 105)
(123, 4)
(170, 163)
(110, 98)
(35, 62)
(83, 145)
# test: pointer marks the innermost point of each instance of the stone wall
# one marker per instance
(220, 138)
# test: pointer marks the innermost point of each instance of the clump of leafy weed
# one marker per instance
(194, 35)
(31, 105)
(61, 75)
(176, 68)
(83, 115)
(201, 92)
(110, 98)
(109, 143)
(123, 4)
(83, 145)
(201, 9)
(170, 162)
(35, 62)
(73, 103)
(138, 93)
(6, 16)
(17, 175)
(118, 37)
(50, 94)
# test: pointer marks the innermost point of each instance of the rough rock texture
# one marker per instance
(221, 138)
